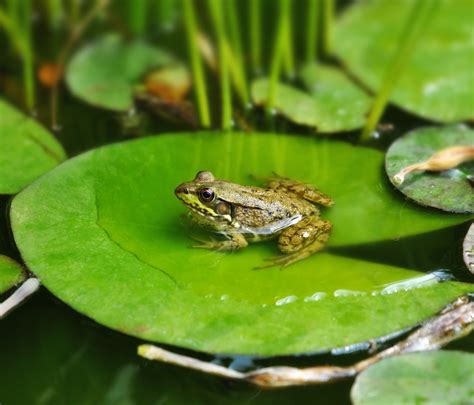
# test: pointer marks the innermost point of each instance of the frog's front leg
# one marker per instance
(235, 241)
(301, 240)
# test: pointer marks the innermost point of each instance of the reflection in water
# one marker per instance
(425, 280)
(348, 293)
(315, 297)
(417, 282)
(287, 300)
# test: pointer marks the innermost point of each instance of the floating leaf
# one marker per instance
(437, 82)
(449, 190)
(443, 377)
(105, 72)
(333, 104)
(11, 273)
(104, 234)
(27, 150)
(468, 249)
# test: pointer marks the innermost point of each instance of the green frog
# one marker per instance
(283, 209)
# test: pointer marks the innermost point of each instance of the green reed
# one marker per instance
(328, 26)
(235, 52)
(278, 52)
(417, 21)
(196, 63)
(312, 30)
(217, 16)
(15, 19)
(255, 35)
(289, 54)
(137, 16)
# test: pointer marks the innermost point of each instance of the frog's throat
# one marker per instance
(206, 212)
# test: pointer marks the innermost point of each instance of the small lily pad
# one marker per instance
(443, 377)
(27, 150)
(450, 190)
(333, 103)
(437, 82)
(105, 72)
(468, 249)
(104, 233)
(11, 273)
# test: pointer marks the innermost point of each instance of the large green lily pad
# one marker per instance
(443, 377)
(437, 82)
(27, 150)
(333, 104)
(449, 190)
(11, 273)
(104, 233)
(105, 72)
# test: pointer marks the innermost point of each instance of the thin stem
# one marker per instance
(278, 52)
(76, 32)
(312, 30)
(55, 13)
(255, 35)
(234, 52)
(217, 15)
(196, 63)
(415, 25)
(328, 24)
(288, 57)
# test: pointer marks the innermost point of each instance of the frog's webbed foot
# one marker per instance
(282, 261)
(306, 191)
(300, 241)
(234, 242)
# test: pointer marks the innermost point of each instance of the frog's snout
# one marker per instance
(181, 189)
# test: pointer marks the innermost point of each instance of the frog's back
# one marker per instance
(271, 211)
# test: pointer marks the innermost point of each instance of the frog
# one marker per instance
(282, 209)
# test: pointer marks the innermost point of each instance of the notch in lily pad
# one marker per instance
(435, 166)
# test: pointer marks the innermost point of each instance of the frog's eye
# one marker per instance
(206, 195)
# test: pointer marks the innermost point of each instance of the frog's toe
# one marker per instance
(282, 261)
(204, 243)
(275, 261)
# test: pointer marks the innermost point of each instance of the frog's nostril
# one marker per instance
(182, 190)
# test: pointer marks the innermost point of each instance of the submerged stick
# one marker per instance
(443, 160)
(454, 321)
(20, 295)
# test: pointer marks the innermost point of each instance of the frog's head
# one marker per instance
(203, 196)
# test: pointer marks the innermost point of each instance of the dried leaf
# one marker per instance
(443, 160)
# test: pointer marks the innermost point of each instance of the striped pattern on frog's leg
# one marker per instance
(301, 240)
(306, 191)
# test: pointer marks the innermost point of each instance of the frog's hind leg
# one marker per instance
(302, 190)
(301, 240)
